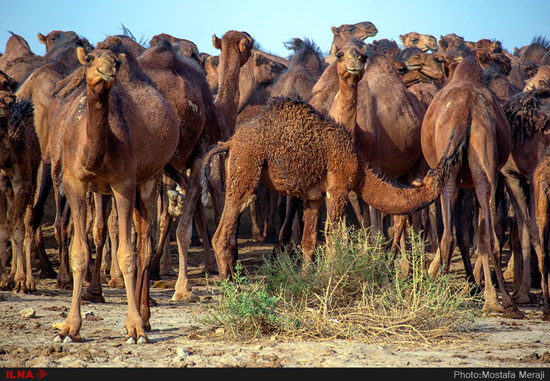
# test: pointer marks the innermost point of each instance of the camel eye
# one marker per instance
(88, 59)
(351, 28)
(431, 172)
(339, 55)
(415, 41)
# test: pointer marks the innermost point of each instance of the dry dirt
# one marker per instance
(179, 338)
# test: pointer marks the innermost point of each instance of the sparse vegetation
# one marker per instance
(356, 293)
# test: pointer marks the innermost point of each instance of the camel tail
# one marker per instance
(218, 149)
(454, 153)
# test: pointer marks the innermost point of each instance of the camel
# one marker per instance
(19, 160)
(236, 48)
(305, 67)
(39, 87)
(184, 86)
(211, 70)
(496, 67)
(108, 141)
(453, 45)
(477, 116)
(185, 47)
(347, 32)
(528, 114)
(326, 165)
(541, 79)
(424, 68)
(541, 195)
(384, 46)
(424, 42)
(18, 60)
(535, 51)
(7, 83)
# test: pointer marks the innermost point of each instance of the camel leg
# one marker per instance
(519, 202)
(355, 202)
(76, 196)
(165, 223)
(5, 252)
(542, 213)
(309, 235)
(117, 281)
(257, 233)
(125, 201)
(463, 221)
(94, 291)
(202, 228)
(485, 191)
(243, 177)
(286, 229)
(146, 202)
(184, 232)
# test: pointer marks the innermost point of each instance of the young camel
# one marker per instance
(477, 116)
(19, 161)
(112, 143)
(327, 167)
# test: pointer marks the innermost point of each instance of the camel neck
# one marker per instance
(392, 199)
(97, 127)
(227, 100)
(345, 111)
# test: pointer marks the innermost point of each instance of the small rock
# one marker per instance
(27, 313)
(220, 331)
(183, 352)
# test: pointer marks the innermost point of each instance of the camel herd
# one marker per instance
(447, 137)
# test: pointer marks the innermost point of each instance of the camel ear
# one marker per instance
(335, 30)
(363, 50)
(81, 54)
(41, 38)
(402, 38)
(216, 42)
(257, 58)
(244, 44)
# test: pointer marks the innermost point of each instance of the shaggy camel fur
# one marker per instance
(327, 165)
(528, 114)
(19, 161)
(477, 116)
(423, 42)
(110, 142)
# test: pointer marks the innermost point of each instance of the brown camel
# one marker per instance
(305, 67)
(111, 142)
(535, 51)
(18, 60)
(476, 115)
(19, 161)
(453, 45)
(185, 47)
(424, 42)
(384, 46)
(211, 70)
(347, 32)
(541, 195)
(236, 48)
(327, 164)
(39, 87)
(185, 87)
(528, 114)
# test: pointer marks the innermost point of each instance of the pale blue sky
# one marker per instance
(270, 23)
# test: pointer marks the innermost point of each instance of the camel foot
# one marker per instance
(93, 297)
(175, 203)
(6, 282)
(257, 237)
(134, 337)
(492, 307)
(546, 316)
(512, 312)
(59, 338)
(116, 283)
(525, 298)
(25, 287)
(152, 302)
(185, 297)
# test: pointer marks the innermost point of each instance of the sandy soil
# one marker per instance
(180, 339)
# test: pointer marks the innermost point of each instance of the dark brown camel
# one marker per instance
(326, 168)
(528, 114)
(19, 161)
(465, 107)
(424, 42)
(111, 142)
(454, 46)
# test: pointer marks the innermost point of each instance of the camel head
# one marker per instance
(493, 62)
(6, 100)
(424, 42)
(453, 45)
(350, 60)
(100, 66)
(431, 66)
(6, 82)
(541, 79)
(360, 30)
(266, 70)
(385, 46)
(211, 68)
(234, 42)
(57, 38)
